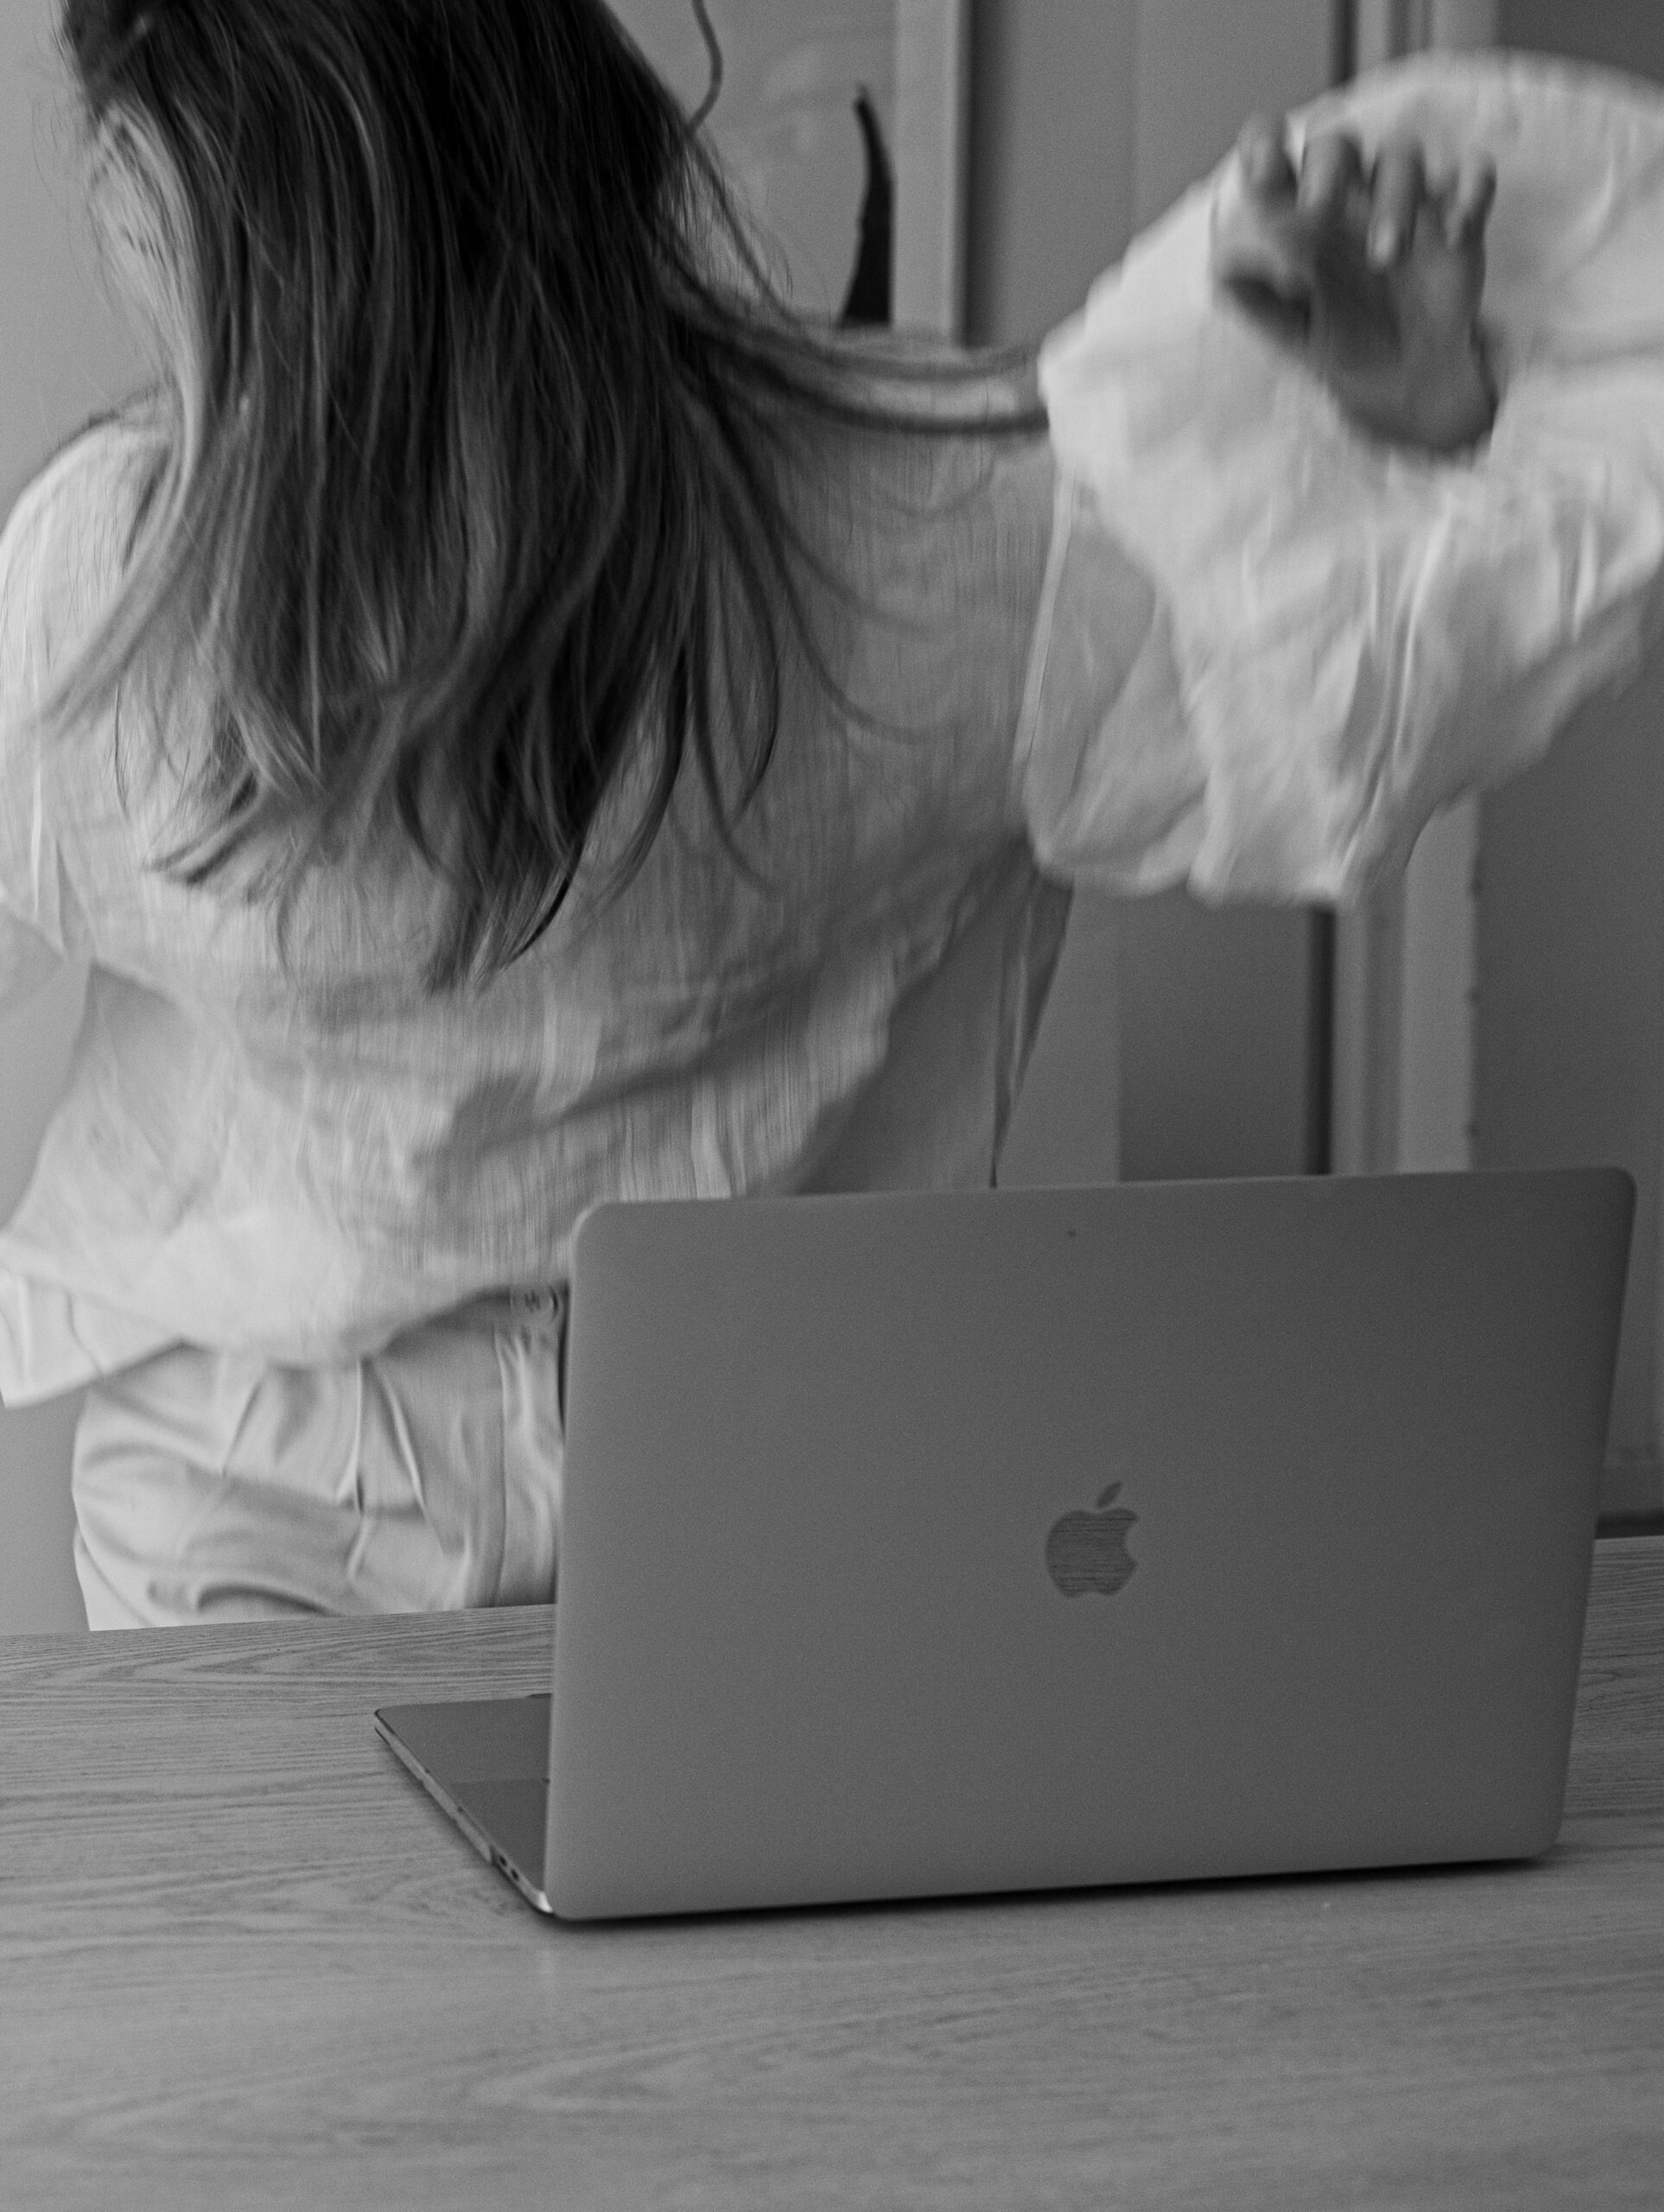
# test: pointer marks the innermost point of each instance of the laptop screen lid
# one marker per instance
(916, 1544)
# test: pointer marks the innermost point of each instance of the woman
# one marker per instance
(513, 718)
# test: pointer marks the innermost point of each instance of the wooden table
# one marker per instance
(243, 1961)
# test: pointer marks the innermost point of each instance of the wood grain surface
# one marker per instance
(243, 1961)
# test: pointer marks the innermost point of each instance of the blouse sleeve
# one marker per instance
(1109, 785)
(56, 555)
(1341, 639)
(27, 958)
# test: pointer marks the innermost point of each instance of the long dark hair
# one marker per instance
(470, 456)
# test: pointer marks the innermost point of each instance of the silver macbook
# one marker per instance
(921, 1545)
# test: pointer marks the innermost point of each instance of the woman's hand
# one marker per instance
(1372, 278)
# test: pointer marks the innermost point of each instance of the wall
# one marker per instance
(1568, 1047)
(1088, 117)
(1619, 34)
(65, 354)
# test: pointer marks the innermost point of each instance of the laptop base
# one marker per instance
(485, 1763)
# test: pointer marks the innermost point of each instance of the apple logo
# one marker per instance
(1088, 1551)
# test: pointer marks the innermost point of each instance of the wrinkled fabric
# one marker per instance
(1360, 635)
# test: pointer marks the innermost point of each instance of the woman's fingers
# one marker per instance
(1332, 166)
(1441, 177)
(1331, 184)
(1258, 254)
(1262, 149)
(1396, 193)
(1468, 207)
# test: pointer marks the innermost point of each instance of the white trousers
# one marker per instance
(215, 1486)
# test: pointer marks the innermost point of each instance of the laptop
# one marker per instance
(922, 1546)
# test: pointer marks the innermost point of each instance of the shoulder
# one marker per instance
(73, 490)
(64, 545)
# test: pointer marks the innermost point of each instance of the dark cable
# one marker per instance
(714, 48)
